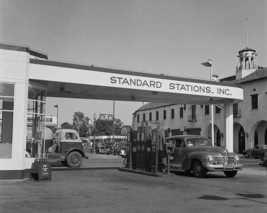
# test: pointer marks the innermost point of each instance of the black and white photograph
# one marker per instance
(138, 106)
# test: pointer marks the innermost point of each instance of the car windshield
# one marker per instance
(198, 142)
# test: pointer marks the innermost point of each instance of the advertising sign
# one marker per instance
(106, 117)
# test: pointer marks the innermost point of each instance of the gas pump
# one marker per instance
(169, 151)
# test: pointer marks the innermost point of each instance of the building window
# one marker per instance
(181, 112)
(254, 101)
(235, 110)
(164, 114)
(150, 116)
(157, 115)
(184, 106)
(6, 119)
(172, 114)
(138, 118)
(207, 109)
(144, 116)
(36, 122)
(217, 110)
(193, 112)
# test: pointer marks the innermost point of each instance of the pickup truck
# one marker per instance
(67, 148)
(196, 153)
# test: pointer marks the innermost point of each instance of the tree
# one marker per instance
(81, 123)
(104, 127)
(67, 125)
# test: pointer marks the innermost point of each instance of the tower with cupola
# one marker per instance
(247, 60)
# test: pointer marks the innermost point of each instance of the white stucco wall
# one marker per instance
(14, 70)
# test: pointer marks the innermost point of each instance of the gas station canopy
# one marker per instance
(90, 82)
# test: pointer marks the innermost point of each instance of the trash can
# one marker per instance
(41, 170)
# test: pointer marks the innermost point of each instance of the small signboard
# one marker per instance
(106, 117)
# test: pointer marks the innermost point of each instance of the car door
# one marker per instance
(176, 162)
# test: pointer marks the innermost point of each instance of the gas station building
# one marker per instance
(27, 78)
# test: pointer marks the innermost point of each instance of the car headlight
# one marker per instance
(237, 157)
(210, 158)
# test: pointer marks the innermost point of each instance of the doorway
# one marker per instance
(241, 140)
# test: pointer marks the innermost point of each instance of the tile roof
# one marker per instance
(247, 49)
(260, 73)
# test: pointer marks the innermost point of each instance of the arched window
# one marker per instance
(241, 140)
(256, 142)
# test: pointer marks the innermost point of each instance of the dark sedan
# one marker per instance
(256, 152)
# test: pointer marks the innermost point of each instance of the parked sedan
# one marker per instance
(196, 153)
(257, 152)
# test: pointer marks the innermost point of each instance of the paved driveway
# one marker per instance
(110, 190)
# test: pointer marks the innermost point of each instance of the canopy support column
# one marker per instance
(229, 126)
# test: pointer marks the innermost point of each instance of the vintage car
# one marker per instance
(103, 149)
(257, 152)
(196, 153)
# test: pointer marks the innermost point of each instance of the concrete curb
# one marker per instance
(82, 168)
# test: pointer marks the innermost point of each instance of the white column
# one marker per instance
(212, 125)
(20, 124)
(229, 126)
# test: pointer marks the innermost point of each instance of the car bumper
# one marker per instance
(226, 167)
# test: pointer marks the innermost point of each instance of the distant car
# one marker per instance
(102, 150)
(257, 152)
(196, 153)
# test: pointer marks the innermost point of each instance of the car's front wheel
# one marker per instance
(74, 159)
(198, 169)
(230, 173)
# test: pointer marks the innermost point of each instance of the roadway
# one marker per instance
(113, 191)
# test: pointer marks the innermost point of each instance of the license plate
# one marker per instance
(229, 167)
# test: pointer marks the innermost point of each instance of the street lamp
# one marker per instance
(94, 125)
(57, 113)
(209, 64)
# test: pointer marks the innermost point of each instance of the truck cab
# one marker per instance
(67, 148)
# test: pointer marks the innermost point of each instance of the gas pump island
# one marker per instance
(28, 76)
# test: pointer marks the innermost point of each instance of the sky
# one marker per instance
(153, 36)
